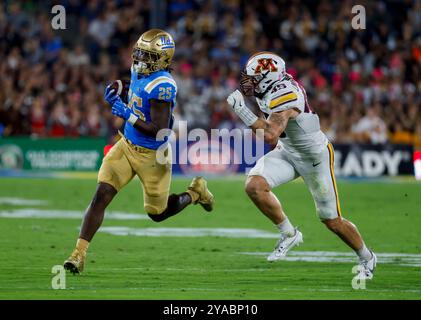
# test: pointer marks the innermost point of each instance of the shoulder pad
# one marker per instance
(160, 81)
(282, 94)
(162, 88)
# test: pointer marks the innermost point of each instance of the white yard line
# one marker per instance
(22, 202)
(402, 259)
(66, 214)
(275, 290)
(186, 289)
(190, 232)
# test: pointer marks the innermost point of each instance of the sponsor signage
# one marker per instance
(213, 156)
(82, 154)
(358, 160)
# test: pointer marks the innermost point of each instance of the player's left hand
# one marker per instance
(236, 100)
(119, 109)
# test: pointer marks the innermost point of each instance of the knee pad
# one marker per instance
(326, 210)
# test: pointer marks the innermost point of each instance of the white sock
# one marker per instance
(286, 228)
(364, 253)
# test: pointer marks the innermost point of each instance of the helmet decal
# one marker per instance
(262, 71)
(166, 42)
(265, 64)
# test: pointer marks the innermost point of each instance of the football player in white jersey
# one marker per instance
(301, 149)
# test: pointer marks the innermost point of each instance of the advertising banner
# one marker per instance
(360, 160)
(83, 154)
(223, 155)
(351, 160)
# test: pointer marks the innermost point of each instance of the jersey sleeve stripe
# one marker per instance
(283, 99)
(152, 85)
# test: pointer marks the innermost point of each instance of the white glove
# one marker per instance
(236, 101)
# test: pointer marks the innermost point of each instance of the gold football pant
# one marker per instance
(126, 160)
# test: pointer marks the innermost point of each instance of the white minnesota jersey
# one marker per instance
(302, 136)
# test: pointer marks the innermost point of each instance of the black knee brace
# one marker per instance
(176, 203)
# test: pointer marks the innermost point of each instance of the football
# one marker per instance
(122, 88)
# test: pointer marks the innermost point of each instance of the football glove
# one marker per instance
(236, 101)
(119, 109)
(110, 95)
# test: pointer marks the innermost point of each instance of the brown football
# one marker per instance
(122, 89)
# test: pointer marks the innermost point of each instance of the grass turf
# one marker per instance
(130, 267)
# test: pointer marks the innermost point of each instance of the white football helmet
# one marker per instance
(262, 70)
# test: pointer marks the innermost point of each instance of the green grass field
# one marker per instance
(206, 267)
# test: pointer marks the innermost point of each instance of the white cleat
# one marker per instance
(284, 245)
(366, 268)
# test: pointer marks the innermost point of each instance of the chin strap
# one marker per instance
(260, 95)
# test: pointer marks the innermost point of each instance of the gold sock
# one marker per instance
(82, 245)
(194, 196)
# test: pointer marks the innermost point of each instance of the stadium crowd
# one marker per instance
(364, 84)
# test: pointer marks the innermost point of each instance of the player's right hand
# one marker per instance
(110, 95)
(236, 100)
(119, 109)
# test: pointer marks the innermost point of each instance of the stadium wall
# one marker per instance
(193, 158)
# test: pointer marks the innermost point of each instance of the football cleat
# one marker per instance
(284, 245)
(206, 199)
(75, 263)
(366, 268)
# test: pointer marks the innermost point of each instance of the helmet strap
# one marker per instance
(260, 95)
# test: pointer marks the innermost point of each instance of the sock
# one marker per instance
(194, 196)
(82, 245)
(286, 228)
(176, 203)
(364, 253)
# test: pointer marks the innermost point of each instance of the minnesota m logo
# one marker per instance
(265, 64)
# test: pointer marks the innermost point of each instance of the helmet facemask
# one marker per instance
(249, 84)
(153, 52)
(145, 62)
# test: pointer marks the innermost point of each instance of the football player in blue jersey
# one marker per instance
(151, 100)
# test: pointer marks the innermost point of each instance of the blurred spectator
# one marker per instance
(365, 85)
(78, 57)
(401, 136)
(38, 123)
(370, 128)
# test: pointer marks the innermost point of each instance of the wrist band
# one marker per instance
(132, 119)
(246, 116)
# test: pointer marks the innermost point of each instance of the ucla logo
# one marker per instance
(166, 43)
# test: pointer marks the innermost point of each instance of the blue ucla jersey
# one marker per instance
(160, 86)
